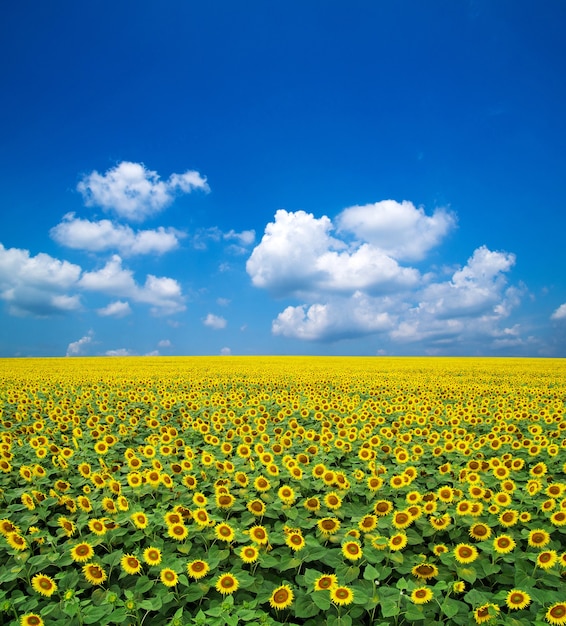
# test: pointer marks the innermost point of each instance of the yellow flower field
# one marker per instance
(268, 490)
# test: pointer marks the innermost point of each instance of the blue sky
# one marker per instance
(283, 178)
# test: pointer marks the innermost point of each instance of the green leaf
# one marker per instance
(143, 584)
(468, 574)
(451, 607)
(321, 599)
(95, 614)
(304, 606)
(370, 573)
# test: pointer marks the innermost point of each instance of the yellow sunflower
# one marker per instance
(198, 569)
(168, 577)
(31, 619)
(341, 595)
(326, 582)
(480, 531)
(517, 599)
(547, 559)
(224, 532)
(44, 585)
(226, 584)
(503, 544)
(556, 614)
(82, 552)
(130, 564)
(258, 534)
(328, 526)
(282, 597)
(94, 574)
(421, 595)
(486, 613)
(425, 571)
(256, 507)
(538, 538)
(248, 554)
(152, 556)
(295, 540)
(465, 553)
(397, 542)
(352, 550)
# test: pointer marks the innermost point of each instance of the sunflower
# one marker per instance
(130, 564)
(226, 584)
(486, 613)
(69, 527)
(94, 574)
(262, 484)
(173, 517)
(480, 532)
(224, 532)
(517, 599)
(82, 552)
(295, 540)
(201, 517)
(248, 554)
(440, 548)
(509, 518)
(465, 553)
(312, 504)
(402, 520)
(538, 538)
(44, 585)
(286, 494)
(367, 523)
(332, 500)
(459, 586)
(397, 542)
(383, 508)
(325, 582)
(258, 534)
(282, 597)
(425, 571)
(152, 556)
(558, 518)
(198, 569)
(328, 526)
(556, 614)
(352, 550)
(31, 619)
(547, 559)
(440, 523)
(256, 507)
(421, 595)
(168, 577)
(503, 544)
(341, 595)
(16, 541)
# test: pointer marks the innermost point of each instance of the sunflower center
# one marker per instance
(516, 598)
(559, 611)
(281, 596)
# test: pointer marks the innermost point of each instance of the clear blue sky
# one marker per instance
(313, 177)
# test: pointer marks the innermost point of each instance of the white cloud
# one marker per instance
(115, 309)
(164, 343)
(399, 230)
(358, 288)
(119, 352)
(76, 347)
(223, 301)
(101, 235)
(298, 256)
(37, 285)
(560, 313)
(214, 321)
(134, 192)
(164, 294)
(336, 319)
(225, 351)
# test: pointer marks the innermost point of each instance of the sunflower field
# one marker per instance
(282, 490)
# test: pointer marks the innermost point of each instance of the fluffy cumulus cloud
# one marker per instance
(560, 313)
(76, 348)
(103, 235)
(399, 229)
(37, 285)
(135, 193)
(115, 309)
(353, 278)
(163, 294)
(214, 321)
